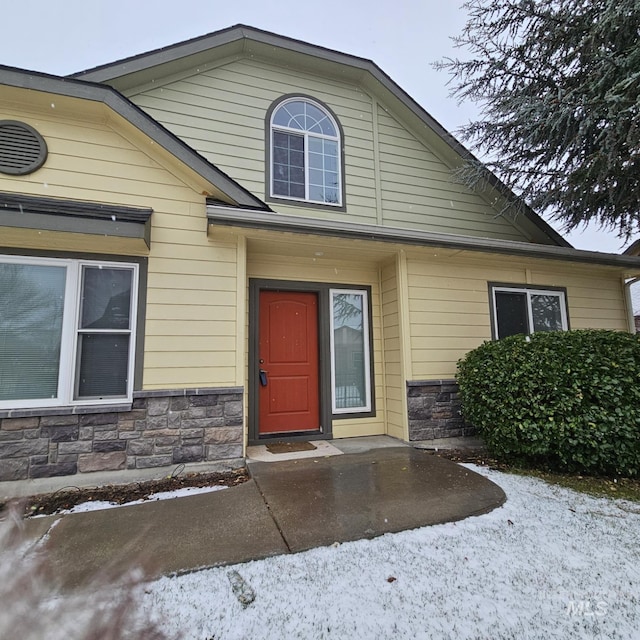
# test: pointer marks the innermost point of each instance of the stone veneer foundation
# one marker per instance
(159, 429)
(435, 410)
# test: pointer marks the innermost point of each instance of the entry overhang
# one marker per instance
(246, 218)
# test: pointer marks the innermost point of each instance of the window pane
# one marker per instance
(331, 179)
(290, 114)
(287, 142)
(546, 311)
(104, 362)
(316, 177)
(31, 309)
(296, 143)
(304, 116)
(331, 195)
(330, 148)
(331, 163)
(288, 171)
(328, 128)
(280, 188)
(315, 145)
(350, 376)
(511, 313)
(316, 160)
(323, 179)
(318, 122)
(106, 298)
(280, 172)
(296, 159)
(296, 186)
(316, 193)
(280, 155)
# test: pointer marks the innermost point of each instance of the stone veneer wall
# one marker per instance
(160, 429)
(435, 410)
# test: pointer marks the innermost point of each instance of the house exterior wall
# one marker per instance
(430, 307)
(392, 178)
(192, 290)
(449, 302)
(89, 160)
(189, 374)
(449, 310)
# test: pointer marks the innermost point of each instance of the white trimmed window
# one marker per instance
(305, 153)
(67, 331)
(350, 351)
(521, 310)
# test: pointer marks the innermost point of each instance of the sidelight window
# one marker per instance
(350, 351)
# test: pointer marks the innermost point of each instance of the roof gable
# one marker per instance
(204, 52)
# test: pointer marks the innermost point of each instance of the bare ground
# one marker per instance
(46, 504)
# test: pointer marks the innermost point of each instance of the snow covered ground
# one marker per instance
(550, 563)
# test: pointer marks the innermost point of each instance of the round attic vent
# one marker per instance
(22, 148)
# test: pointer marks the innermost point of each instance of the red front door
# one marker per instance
(288, 360)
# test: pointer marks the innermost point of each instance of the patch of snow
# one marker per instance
(91, 505)
(97, 505)
(549, 563)
(180, 493)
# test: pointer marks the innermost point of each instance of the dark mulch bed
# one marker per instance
(475, 456)
(70, 496)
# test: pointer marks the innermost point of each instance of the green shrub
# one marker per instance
(564, 401)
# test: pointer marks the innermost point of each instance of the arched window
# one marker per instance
(305, 153)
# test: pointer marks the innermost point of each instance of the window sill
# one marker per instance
(306, 204)
(355, 415)
(65, 411)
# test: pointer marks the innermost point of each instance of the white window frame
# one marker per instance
(306, 135)
(528, 293)
(367, 352)
(68, 367)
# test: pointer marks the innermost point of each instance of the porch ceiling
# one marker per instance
(320, 251)
(318, 248)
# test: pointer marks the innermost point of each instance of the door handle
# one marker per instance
(263, 377)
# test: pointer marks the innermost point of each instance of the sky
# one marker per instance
(403, 37)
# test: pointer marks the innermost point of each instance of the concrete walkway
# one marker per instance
(286, 507)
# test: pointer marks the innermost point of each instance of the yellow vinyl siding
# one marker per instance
(191, 312)
(110, 169)
(395, 388)
(363, 274)
(418, 190)
(192, 281)
(449, 302)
